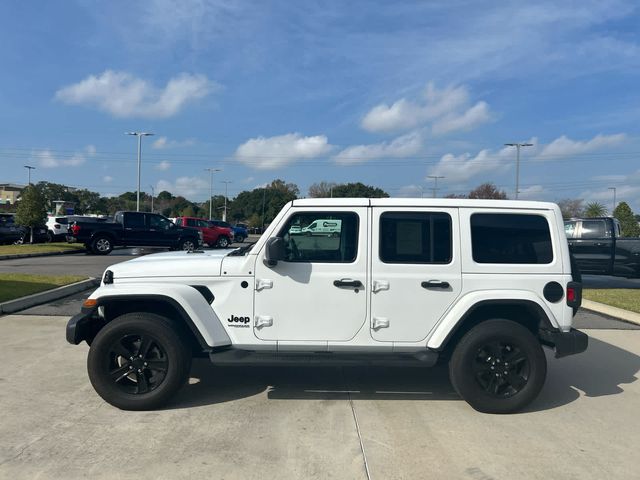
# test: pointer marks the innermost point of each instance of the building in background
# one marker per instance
(9, 193)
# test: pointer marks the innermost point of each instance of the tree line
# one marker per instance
(259, 206)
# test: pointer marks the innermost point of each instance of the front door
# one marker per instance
(318, 293)
(593, 249)
(415, 270)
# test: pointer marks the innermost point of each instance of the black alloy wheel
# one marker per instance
(501, 369)
(498, 366)
(138, 361)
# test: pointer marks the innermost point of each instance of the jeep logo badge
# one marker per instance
(242, 321)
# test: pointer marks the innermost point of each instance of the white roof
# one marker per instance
(422, 202)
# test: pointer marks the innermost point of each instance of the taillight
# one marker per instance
(571, 294)
(574, 294)
(75, 229)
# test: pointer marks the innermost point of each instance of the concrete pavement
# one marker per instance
(298, 422)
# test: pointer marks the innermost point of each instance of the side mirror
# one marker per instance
(274, 251)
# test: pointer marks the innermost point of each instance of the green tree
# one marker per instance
(595, 209)
(165, 196)
(358, 190)
(628, 222)
(488, 191)
(31, 210)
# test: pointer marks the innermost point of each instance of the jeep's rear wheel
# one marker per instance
(498, 367)
(138, 361)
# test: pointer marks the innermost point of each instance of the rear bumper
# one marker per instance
(83, 326)
(565, 343)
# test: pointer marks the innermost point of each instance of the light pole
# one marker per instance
(139, 135)
(211, 170)
(435, 184)
(29, 168)
(518, 146)
(226, 185)
(614, 199)
(264, 198)
(153, 194)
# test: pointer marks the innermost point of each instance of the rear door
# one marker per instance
(135, 230)
(593, 247)
(415, 270)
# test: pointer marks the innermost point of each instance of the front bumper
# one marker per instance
(565, 343)
(84, 326)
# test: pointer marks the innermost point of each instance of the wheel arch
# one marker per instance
(185, 305)
(526, 311)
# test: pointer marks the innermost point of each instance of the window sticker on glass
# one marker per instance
(408, 238)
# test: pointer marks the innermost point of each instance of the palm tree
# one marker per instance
(595, 209)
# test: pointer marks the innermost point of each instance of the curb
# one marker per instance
(44, 254)
(29, 301)
(614, 312)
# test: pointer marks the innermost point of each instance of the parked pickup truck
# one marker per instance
(598, 247)
(134, 229)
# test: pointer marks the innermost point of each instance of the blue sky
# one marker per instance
(386, 93)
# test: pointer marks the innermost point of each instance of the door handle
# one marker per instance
(347, 282)
(435, 284)
(600, 244)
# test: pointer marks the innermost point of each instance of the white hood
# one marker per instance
(172, 264)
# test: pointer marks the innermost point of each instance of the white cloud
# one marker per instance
(163, 143)
(124, 95)
(266, 153)
(163, 165)
(47, 159)
(564, 146)
(470, 119)
(188, 187)
(460, 168)
(403, 146)
(448, 109)
(90, 150)
(411, 191)
(107, 179)
(533, 192)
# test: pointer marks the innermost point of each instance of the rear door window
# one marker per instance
(511, 238)
(415, 237)
(134, 220)
(593, 229)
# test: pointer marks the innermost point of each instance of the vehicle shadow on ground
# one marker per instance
(602, 370)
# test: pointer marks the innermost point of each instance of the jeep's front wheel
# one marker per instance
(138, 361)
(498, 367)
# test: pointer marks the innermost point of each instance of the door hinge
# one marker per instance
(379, 285)
(263, 284)
(263, 321)
(380, 322)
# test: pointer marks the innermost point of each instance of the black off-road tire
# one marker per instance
(471, 373)
(167, 349)
(102, 245)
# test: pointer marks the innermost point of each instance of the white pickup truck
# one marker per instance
(480, 284)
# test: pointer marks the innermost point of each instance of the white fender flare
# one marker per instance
(185, 297)
(466, 303)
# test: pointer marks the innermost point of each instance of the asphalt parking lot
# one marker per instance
(301, 422)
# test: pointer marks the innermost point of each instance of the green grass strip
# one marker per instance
(626, 298)
(16, 285)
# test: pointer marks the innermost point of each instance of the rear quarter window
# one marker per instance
(510, 238)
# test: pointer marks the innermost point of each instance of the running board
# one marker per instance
(424, 358)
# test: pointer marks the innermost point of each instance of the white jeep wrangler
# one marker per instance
(481, 284)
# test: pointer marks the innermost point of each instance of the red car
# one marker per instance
(211, 235)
